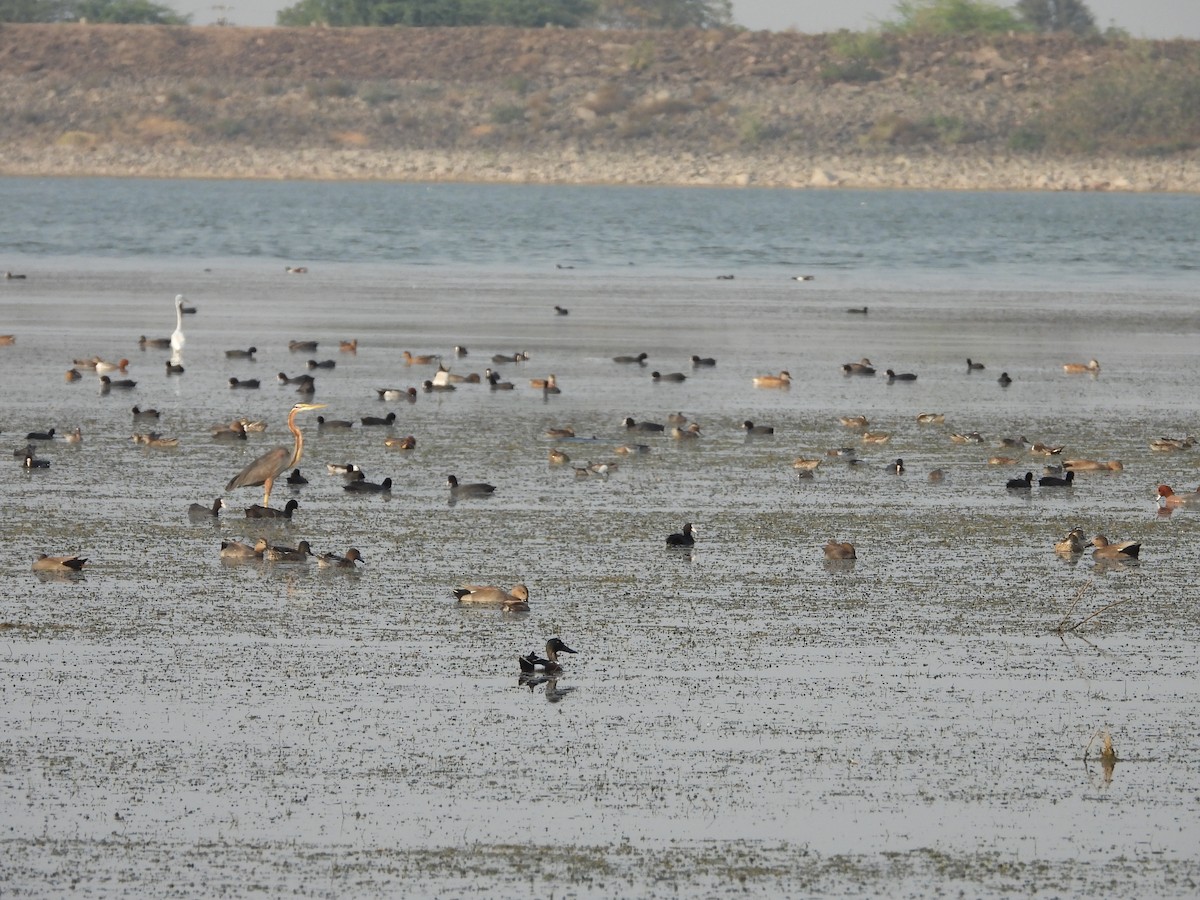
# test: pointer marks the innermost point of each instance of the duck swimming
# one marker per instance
(475, 489)
(235, 550)
(267, 512)
(840, 550)
(534, 663)
(685, 538)
(45, 563)
(1072, 543)
(490, 595)
(1107, 550)
(782, 380)
(1020, 484)
(199, 512)
(300, 553)
(333, 561)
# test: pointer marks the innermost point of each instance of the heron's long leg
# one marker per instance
(267, 491)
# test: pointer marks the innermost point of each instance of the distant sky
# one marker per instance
(1141, 18)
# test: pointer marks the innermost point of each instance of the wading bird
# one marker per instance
(271, 464)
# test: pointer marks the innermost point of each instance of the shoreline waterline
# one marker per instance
(961, 172)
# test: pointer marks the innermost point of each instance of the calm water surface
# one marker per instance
(743, 715)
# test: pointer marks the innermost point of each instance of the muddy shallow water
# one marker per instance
(743, 716)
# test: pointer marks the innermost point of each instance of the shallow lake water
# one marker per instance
(740, 717)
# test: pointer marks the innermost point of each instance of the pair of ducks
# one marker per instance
(1075, 541)
(235, 551)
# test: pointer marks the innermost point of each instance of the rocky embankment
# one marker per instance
(549, 106)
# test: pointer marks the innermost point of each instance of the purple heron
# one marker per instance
(271, 464)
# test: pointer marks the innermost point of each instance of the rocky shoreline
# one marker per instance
(964, 172)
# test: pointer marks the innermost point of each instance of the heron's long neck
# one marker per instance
(299, 436)
(178, 316)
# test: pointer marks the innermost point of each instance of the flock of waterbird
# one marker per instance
(274, 464)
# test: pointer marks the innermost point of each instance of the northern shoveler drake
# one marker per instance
(840, 550)
(1168, 499)
(300, 553)
(1091, 367)
(685, 538)
(1040, 449)
(1107, 550)
(333, 561)
(534, 663)
(45, 563)
(782, 380)
(1072, 543)
(490, 595)
(970, 437)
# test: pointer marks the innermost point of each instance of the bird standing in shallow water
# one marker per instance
(268, 467)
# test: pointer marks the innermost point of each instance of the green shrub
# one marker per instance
(947, 17)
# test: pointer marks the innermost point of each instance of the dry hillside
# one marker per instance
(536, 105)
